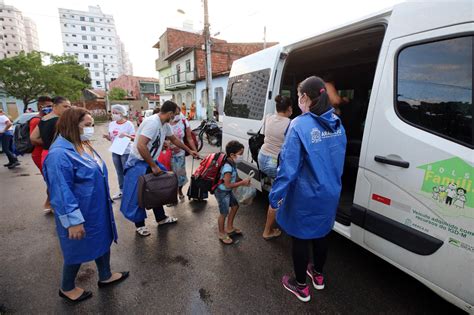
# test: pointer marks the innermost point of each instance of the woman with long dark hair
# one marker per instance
(77, 182)
(308, 185)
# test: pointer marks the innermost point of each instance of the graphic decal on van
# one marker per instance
(450, 182)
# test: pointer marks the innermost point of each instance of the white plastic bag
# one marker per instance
(245, 194)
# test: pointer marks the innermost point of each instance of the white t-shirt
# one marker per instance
(179, 130)
(116, 129)
(3, 123)
(151, 128)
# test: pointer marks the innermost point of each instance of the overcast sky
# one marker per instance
(140, 23)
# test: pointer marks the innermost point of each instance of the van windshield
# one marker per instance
(245, 97)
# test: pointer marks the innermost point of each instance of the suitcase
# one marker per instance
(154, 191)
(198, 189)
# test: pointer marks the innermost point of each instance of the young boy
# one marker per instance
(225, 197)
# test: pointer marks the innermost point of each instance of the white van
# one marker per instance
(408, 193)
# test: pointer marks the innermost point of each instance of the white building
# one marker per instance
(17, 33)
(92, 37)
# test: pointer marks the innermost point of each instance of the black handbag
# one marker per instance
(256, 142)
(154, 191)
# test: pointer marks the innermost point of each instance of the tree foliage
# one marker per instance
(117, 94)
(27, 76)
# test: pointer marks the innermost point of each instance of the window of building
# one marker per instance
(74, 35)
(6, 44)
(96, 65)
(97, 74)
(74, 26)
(85, 46)
(102, 38)
(240, 102)
(110, 39)
(65, 24)
(98, 83)
(64, 15)
(108, 21)
(101, 28)
(95, 56)
(101, 20)
(188, 65)
(83, 28)
(86, 56)
(103, 47)
(82, 18)
(434, 88)
(110, 48)
(92, 29)
(93, 38)
(91, 19)
(75, 45)
(111, 57)
(6, 35)
(108, 30)
(13, 36)
(84, 37)
(94, 47)
(87, 64)
(76, 54)
(67, 44)
(67, 35)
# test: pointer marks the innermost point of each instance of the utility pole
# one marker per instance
(107, 105)
(264, 37)
(207, 39)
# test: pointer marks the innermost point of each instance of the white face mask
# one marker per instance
(177, 118)
(87, 133)
(116, 117)
(239, 158)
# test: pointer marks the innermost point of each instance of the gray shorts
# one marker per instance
(225, 200)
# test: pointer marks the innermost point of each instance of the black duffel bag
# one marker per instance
(155, 191)
(255, 144)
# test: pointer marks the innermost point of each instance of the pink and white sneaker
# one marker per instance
(301, 292)
(316, 278)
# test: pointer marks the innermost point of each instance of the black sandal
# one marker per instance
(84, 296)
(124, 276)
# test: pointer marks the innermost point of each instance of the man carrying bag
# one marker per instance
(148, 143)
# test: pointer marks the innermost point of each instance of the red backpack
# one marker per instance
(209, 171)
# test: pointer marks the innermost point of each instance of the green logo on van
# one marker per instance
(450, 182)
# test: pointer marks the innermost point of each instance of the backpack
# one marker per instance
(209, 171)
(21, 138)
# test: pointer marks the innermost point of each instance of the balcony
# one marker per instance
(161, 64)
(180, 81)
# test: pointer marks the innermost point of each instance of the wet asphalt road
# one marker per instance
(183, 268)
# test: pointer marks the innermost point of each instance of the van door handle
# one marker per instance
(252, 133)
(385, 160)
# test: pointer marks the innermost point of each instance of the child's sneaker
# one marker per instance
(301, 292)
(316, 278)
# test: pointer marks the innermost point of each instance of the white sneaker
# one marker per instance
(143, 231)
(117, 196)
(47, 211)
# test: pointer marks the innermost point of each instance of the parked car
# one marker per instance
(407, 191)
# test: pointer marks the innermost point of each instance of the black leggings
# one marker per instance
(301, 256)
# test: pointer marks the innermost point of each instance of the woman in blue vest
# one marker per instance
(77, 182)
(308, 185)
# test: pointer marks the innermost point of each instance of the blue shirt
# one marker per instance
(227, 168)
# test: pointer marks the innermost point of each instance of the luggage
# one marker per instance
(206, 177)
(154, 191)
(197, 189)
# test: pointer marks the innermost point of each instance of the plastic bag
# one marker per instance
(245, 194)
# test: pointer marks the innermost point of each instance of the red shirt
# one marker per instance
(33, 124)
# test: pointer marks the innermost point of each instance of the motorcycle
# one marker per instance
(212, 131)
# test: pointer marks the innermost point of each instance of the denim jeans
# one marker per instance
(119, 163)
(267, 164)
(7, 139)
(70, 272)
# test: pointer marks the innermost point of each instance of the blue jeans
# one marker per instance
(119, 163)
(7, 140)
(225, 200)
(267, 164)
(70, 272)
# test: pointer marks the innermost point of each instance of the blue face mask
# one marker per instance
(47, 110)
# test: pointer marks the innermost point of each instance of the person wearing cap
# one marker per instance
(120, 127)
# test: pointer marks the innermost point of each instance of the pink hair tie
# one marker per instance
(321, 91)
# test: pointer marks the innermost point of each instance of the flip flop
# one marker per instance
(235, 231)
(276, 233)
(226, 240)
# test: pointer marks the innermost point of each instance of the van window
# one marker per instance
(246, 94)
(434, 87)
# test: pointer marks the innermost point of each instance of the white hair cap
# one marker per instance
(121, 109)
